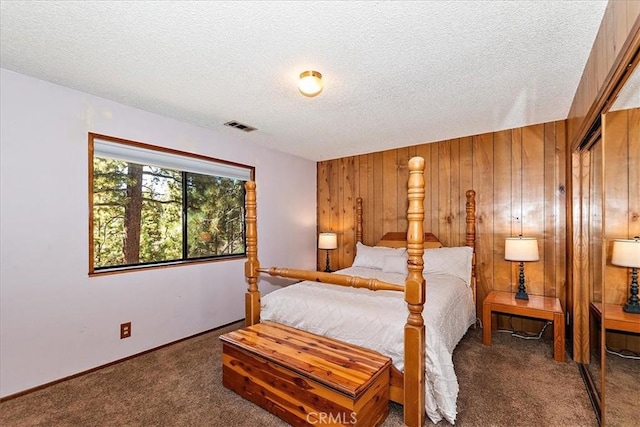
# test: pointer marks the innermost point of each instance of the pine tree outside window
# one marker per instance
(152, 206)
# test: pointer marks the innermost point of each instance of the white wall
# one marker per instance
(55, 321)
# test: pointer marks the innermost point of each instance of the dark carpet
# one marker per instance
(512, 383)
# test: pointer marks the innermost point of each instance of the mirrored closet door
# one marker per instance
(591, 261)
(621, 338)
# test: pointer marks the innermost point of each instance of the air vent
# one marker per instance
(241, 126)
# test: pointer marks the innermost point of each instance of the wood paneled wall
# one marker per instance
(621, 136)
(518, 175)
(619, 23)
(616, 42)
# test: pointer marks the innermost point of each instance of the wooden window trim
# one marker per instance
(118, 270)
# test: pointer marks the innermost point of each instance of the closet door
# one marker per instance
(589, 262)
(621, 137)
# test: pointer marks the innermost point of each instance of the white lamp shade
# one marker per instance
(521, 249)
(310, 83)
(327, 241)
(626, 253)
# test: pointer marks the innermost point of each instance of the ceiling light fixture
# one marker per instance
(310, 83)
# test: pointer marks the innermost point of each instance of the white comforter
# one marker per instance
(376, 320)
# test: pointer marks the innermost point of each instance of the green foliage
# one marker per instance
(161, 227)
(215, 214)
(109, 199)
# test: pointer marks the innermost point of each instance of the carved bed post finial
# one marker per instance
(415, 291)
(252, 296)
(471, 235)
(359, 219)
(471, 218)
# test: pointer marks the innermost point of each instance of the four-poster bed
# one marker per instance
(407, 382)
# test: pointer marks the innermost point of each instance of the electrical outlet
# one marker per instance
(125, 330)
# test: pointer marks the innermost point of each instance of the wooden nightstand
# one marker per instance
(615, 318)
(538, 307)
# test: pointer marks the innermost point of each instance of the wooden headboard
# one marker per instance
(393, 239)
(398, 239)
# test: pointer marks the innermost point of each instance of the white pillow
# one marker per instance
(373, 256)
(455, 261)
(395, 264)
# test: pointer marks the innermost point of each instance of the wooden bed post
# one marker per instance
(414, 295)
(359, 219)
(471, 235)
(252, 296)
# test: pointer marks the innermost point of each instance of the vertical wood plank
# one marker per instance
(547, 245)
(402, 172)
(363, 184)
(633, 131)
(337, 256)
(502, 208)
(324, 204)
(456, 237)
(633, 13)
(347, 228)
(424, 151)
(336, 189)
(465, 165)
(634, 169)
(435, 187)
(516, 196)
(369, 204)
(620, 29)
(593, 222)
(533, 207)
(599, 59)
(608, 35)
(390, 190)
(590, 71)
(616, 188)
(444, 192)
(561, 207)
(533, 201)
(483, 180)
(378, 197)
(580, 298)
(621, 132)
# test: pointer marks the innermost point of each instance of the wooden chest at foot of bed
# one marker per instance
(306, 379)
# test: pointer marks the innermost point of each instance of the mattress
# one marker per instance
(376, 320)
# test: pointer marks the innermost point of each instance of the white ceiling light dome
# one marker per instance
(310, 83)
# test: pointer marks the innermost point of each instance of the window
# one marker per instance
(152, 206)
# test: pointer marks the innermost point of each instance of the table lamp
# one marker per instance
(626, 253)
(327, 241)
(521, 249)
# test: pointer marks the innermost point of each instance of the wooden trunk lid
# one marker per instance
(343, 367)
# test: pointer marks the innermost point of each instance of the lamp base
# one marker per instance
(327, 268)
(631, 308)
(633, 303)
(522, 290)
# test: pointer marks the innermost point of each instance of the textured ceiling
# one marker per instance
(396, 73)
